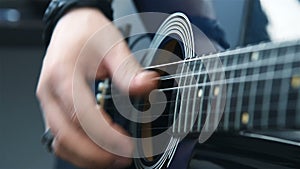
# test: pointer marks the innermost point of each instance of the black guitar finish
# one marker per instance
(262, 93)
(184, 153)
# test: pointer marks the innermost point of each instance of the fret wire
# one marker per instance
(267, 93)
(298, 103)
(195, 100)
(220, 96)
(282, 106)
(252, 100)
(298, 97)
(256, 108)
(296, 117)
(196, 95)
(227, 108)
(229, 93)
(202, 98)
(265, 62)
(176, 103)
(190, 81)
(298, 109)
(239, 100)
(182, 99)
(212, 77)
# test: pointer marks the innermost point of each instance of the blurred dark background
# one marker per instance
(20, 22)
(21, 55)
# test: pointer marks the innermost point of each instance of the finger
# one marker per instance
(119, 62)
(77, 94)
(72, 144)
(98, 126)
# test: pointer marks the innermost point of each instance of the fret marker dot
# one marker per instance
(255, 56)
(245, 118)
(216, 91)
(200, 93)
(295, 82)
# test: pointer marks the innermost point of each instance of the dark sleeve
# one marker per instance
(255, 24)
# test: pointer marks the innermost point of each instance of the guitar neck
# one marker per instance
(260, 88)
(255, 87)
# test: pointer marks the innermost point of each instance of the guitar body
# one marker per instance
(252, 89)
(184, 154)
(167, 46)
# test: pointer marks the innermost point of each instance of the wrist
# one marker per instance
(58, 8)
(73, 30)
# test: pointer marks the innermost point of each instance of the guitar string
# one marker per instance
(256, 77)
(291, 101)
(271, 119)
(234, 81)
(266, 62)
(247, 50)
(173, 101)
(244, 66)
(249, 78)
(256, 124)
(228, 68)
(231, 68)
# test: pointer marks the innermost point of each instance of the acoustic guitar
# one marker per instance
(255, 88)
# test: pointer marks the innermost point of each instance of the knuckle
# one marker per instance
(56, 148)
(38, 92)
(59, 144)
(76, 121)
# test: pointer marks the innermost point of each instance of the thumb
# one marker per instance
(127, 73)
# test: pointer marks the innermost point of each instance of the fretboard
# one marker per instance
(260, 89)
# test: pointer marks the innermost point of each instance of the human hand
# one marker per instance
(54, 90)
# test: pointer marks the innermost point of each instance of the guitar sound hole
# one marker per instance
(165, 121)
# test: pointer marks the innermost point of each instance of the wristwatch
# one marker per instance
(57, 8)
